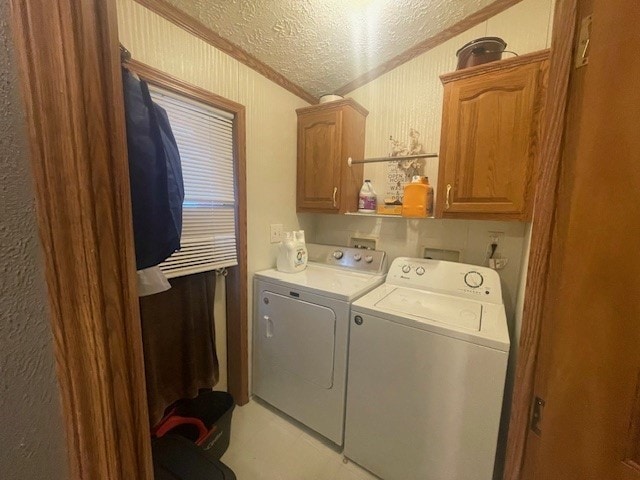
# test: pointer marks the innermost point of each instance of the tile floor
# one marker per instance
(266, 446)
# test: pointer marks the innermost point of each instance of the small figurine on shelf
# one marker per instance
(398, 149)
(410, 167)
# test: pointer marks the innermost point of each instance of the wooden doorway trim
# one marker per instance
(236, 286)
(72, 89)
(564, 27)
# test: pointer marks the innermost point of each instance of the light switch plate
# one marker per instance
(276, 232)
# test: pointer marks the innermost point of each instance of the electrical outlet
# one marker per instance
(276, 232)
(494, 238)
(498, 263)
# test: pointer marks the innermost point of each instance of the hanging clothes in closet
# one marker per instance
(155, 173)
(177, 325)
(179, 343)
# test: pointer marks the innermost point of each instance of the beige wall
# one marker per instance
(32, 443)
(271, 127)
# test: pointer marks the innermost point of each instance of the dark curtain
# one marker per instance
(179, 341)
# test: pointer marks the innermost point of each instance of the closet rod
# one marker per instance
(125, 55)
(351, 161)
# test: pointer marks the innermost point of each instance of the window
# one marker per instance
(205, 140)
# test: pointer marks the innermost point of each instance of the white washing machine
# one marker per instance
(301, 333)
(427, 362)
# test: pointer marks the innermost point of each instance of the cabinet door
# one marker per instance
(489, 140)
(319, 148)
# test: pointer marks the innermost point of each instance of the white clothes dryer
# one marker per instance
(301, 333)
(427, 362)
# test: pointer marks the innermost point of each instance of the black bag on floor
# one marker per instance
(176, 458)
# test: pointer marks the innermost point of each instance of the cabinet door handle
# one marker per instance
(335, 191)
(447, 204)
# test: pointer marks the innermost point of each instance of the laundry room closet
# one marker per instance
(402, 106)
(320, 239)
(324, 156)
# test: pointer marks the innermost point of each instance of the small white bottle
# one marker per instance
(292, 255)
(301, 254)
(367, 199)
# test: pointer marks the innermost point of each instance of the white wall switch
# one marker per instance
(276, 232)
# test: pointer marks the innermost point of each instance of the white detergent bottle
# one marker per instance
(367, 199)
(292, 256)
(301, 251)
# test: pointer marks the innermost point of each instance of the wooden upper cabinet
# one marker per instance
(490, 138)
(328, 134)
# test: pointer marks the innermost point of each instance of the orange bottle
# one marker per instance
(417, 201)
(429, 198)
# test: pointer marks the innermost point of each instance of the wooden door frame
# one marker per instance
(72, 89)
(68, 52)
(552, 135)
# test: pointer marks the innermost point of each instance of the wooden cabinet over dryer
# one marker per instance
(490, 139)
(328, 134)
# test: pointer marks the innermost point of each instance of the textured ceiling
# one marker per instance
(322, 45)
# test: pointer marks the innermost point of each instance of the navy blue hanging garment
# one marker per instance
(155, 173)
(175, 185)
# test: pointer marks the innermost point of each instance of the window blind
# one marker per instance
(205, 140)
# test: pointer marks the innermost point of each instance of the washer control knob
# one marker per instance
(338, 254)
(420, 270)
(358, 320)
(357, 257)
(473, 279)
(368, 259)
(406, 268)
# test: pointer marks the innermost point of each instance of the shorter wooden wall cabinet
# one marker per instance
(328, 134)
(490, 139)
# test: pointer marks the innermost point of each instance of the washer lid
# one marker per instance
(436, 312)
(458, 312)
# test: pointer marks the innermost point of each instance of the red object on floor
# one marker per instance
(189, 427)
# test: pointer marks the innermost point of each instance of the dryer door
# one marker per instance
(297, 337)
